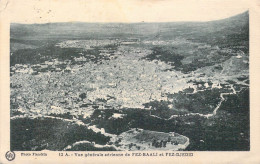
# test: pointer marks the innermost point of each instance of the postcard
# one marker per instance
(137, 81)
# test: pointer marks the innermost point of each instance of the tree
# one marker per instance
(83, 96)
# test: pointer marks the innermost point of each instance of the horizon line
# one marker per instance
(140, 22)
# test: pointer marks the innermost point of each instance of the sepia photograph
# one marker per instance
(130, 86)
(133, 81)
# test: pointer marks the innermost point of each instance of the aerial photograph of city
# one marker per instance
(175, 86)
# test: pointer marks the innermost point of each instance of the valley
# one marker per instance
(154, 86)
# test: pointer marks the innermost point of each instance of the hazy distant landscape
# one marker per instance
(137, 86)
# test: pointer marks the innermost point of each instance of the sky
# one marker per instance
(43, 11)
